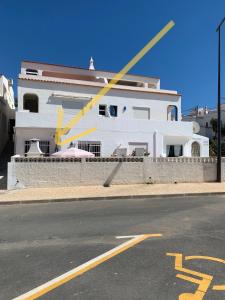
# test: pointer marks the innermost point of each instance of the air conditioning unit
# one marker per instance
(121, 152)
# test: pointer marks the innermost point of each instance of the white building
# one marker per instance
(136, 113)
(203, 116)
(7, 111)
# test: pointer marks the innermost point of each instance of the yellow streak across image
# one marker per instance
(62, 131)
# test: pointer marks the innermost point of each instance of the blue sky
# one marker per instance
(69, 32)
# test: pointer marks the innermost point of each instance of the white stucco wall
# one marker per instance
(7, 109)
(111, 132)
(72, 173)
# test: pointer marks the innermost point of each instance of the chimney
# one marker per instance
(91, 64)
(34, 150)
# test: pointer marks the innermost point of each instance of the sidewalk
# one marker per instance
(31, 195)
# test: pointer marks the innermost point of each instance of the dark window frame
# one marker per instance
(102, 110)
(171, 152)
(116, 111)
(27, 105)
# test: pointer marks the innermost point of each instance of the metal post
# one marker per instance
(219, 177)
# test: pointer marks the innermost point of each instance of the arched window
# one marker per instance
(195, 149)
(172, 114)
(30, 102)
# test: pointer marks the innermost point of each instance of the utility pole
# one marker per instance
(219, 177)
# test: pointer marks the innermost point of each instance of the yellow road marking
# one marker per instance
(56, 282)
(219, 287)
(203, 284)
(198, 295)
(60, 132)
(179, 266)
(219, 260)
(206, 279)
(188, 278)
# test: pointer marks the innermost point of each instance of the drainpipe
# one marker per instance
(155, 144)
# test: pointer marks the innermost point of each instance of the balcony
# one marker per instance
(49, 120)
(40, 120)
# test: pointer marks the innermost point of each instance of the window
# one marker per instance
(141, 113)
(102, 110)
(174, 150)
(30, 102)
(172, 114)
(31, 72)
(26, 146)
(93, 147)
(207, 125)
(113, 110)
(44, 146)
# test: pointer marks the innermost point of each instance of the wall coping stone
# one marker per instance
(117, 159)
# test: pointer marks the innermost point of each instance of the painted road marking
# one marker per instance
(219, 260)
(60, 131)
(58, 281)
(126, 236)
(203, 284)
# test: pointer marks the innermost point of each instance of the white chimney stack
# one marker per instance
(34, 150)
(91, 64)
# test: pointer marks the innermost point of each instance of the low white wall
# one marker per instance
(170, 170)
(47, 172)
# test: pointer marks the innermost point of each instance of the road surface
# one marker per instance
(39, 242)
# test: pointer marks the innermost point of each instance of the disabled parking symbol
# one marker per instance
(204, 281)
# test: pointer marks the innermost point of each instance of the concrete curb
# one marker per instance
(38, 201)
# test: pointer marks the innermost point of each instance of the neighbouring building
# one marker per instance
(7, 111)
(203, 116)
(135, 115)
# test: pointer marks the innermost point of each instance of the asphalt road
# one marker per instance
(39, 242)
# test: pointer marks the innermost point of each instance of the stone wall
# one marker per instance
(170, 170)
(49, 172)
